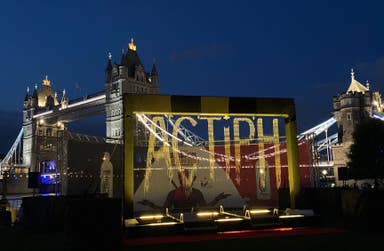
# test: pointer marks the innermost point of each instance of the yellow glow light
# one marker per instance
(156, 154)
(291, 216)
(211, 146)
(260, 211)
(130, 222)
(175, 141)
(236, 131)
(46, 82)
(131, 45)
(204, 214)
(151, 217)
(229, 219)
(227, 147)
(262, 163)
(277, 151)
(283, 229)
(162, 224)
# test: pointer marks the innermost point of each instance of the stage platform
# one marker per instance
(216, 220)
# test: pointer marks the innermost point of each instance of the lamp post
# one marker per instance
(4, 171)
(325, 172)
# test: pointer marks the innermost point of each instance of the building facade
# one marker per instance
(357, 103)
(129, 76)
(45, 141)
(40, 140)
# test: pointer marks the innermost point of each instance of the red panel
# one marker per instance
(247, 187)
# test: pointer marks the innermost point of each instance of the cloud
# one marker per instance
(197, 53)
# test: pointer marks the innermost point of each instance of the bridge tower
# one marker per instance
(349, 108)
(29, 127)
(40, 140)
(127, 77)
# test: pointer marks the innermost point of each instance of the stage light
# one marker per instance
(283, 229)
(130, 222)
(291, 216)
(259, 211)
(151, 217)
(163, 223)
(205, 214)
(229, 219)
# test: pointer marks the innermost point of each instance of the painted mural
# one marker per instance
(239, 164)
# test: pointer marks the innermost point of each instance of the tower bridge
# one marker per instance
(44, 134)
(46, 114)
(88, 106)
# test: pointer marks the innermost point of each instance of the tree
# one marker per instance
(366, 155)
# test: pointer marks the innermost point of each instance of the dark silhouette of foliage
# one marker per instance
(366, 156)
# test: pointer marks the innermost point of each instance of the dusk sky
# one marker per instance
(290, 49)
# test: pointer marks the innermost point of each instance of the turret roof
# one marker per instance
(131, 59)
(27, 95)
(109, 65)
(356, 86)
(34, 95)
(45, 92)
(154, 70)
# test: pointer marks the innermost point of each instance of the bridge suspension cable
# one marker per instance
(188, 135)
(14, 155)
(378, 115)
(316, 130)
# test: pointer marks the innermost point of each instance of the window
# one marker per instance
(349, 116)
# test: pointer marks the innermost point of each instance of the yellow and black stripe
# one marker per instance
(198, 105)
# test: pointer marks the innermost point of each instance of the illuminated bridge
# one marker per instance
(92, 105)
(77, 109)
(44, 134)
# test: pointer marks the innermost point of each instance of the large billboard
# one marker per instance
(195, 185)
(190, 152)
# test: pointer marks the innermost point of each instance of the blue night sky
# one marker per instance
(295, 49)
